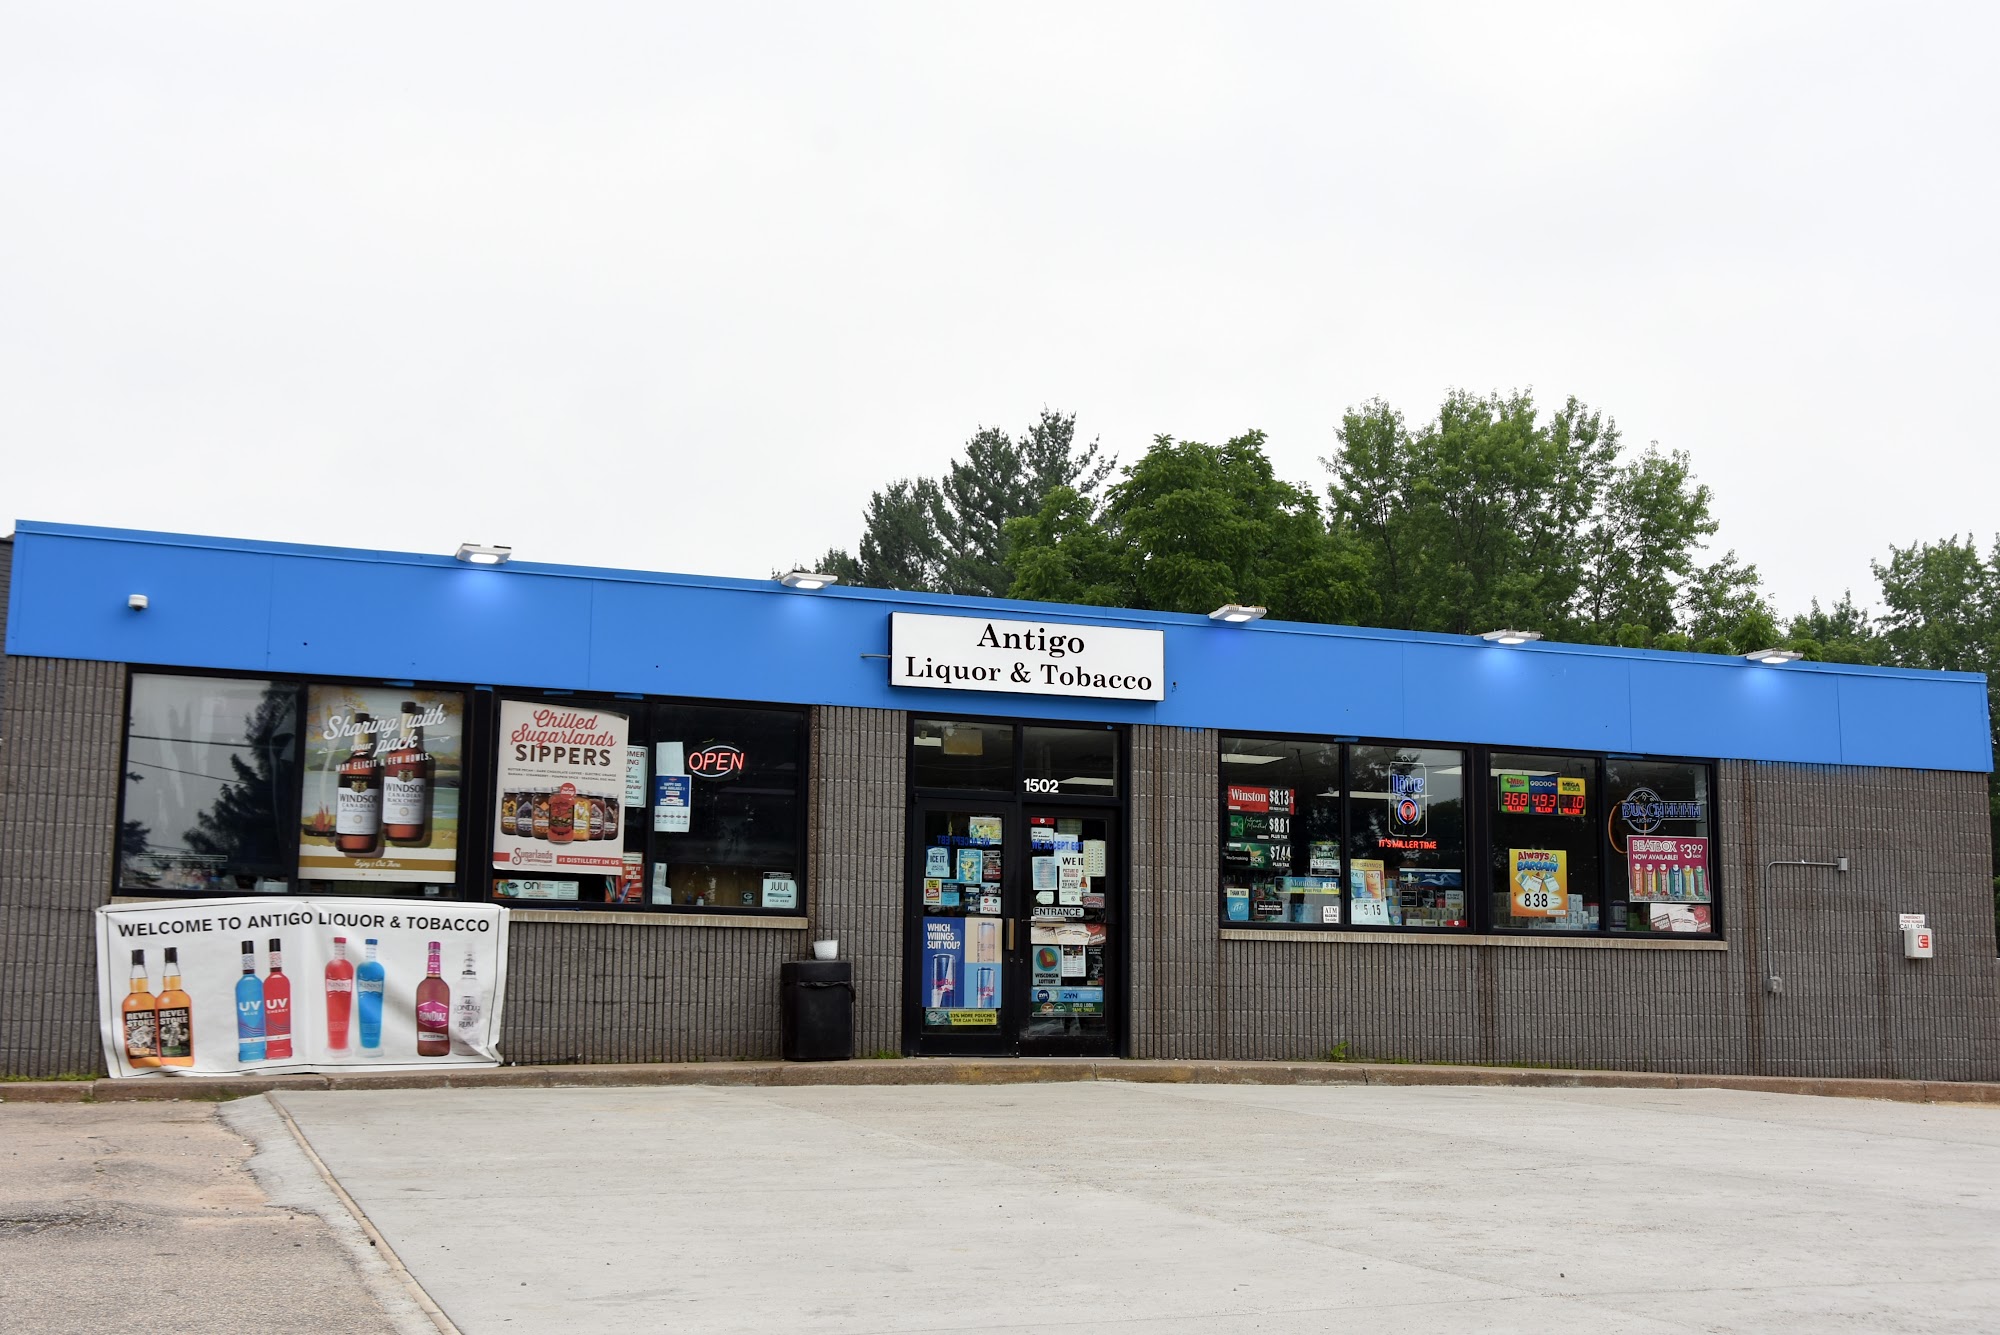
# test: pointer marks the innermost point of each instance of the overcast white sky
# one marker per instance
(675, 288)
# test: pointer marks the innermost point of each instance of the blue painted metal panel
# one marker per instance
(221, 603)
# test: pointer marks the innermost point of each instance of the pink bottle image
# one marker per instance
(339, 996)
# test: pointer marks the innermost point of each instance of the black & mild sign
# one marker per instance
(1026, 657)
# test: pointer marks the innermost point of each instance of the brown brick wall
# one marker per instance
(855, 850)
(59, 739)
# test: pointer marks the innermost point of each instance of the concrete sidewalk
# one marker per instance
(991, 1071)
(1174, 1208)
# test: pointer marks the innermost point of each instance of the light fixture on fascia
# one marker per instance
(479, 554)
(1774, 657)
(1235, 614)
(806, 579)
(1511, 636)
(1246, 758)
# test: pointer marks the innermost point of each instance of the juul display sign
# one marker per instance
(1026, 657)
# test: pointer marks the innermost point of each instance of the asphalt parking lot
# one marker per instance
(1160, 1208)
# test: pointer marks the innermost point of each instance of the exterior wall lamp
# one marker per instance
(478, 554)
(806, 579)
(1511, 636)
(1775, 657)
(1235, 614)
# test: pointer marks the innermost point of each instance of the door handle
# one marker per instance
(1010, 936)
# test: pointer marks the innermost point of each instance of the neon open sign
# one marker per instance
(716, 762)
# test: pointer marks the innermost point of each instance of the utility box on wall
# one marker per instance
(1919, 943)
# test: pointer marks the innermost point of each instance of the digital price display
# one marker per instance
(1514, 794)
(1569, 797)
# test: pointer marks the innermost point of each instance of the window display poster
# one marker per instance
(383, 766)
(673, 803)
(961, 971)
(984, 830)
(780, 891)
(1538, 882)
(567, 762)
(1046, 962)
(630, 886)
(1431, 897)
(1678, 917)
(1667, 869)
(1368, 892)
(1236, 903)
(937, 863)
(971, 865)
(228, 986)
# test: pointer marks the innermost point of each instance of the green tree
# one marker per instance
(1640, 550)
(247, 826)
(1724, 610)
(1188, 528)
(1842, 633)
(949, 534)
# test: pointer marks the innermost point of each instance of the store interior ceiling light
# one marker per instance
(479, 554)
(1243, 758)
(806, 579)
(1094, 781)
(1235, 614)
(1511, 636)
(1773, 657)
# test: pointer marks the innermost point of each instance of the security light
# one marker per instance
(1510, 636)
(806, 579)
(1235, 614)
(479, 554)
(138, 602)
(1773, 657)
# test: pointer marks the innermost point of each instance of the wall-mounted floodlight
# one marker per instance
(806, 579)
(478, 554)
(138, 602)
(1773, 657)
(1235, 614)
(1510, 636)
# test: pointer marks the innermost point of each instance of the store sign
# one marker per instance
(716, 762)
(1407, 784)
(227, 986)
(1026, 657)
(1645, 810)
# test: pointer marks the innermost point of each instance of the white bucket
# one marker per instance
(826, 950)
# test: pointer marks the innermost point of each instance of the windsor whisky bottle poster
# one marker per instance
(271, 986)
(383, 768)
(561, 781)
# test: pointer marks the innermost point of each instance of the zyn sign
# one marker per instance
(1026, 657)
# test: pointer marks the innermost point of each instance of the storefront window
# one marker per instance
(1661, 872)
(1545, 842)
(945, 753)
(745, 824)
(1406, 819)
(1074, 762)
(209, 768)
(1280, 831)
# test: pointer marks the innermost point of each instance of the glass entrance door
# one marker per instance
(1016, 922)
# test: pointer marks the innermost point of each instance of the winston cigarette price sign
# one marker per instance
(228, 986)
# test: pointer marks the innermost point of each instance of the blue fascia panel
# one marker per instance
(278, 607)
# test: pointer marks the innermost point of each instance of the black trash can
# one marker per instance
(817, 1008)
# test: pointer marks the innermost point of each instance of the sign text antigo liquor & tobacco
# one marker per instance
(1026, 657)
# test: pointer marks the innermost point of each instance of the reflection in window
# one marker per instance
(1281, 831)
(746, 821)
(1080, 762)
(1660, 866)
(208, 772)
(945, 753)
(1406, 815)
(1545, 842)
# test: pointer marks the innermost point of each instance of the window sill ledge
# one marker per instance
(602, 916)
(1470, 939)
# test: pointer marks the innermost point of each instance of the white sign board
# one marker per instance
(1026, 657)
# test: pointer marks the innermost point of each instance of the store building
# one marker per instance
(1034, 829)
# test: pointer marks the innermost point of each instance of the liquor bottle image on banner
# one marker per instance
(562, 815)
(369, 981)
(357, 815)
(141, 1017)
(249, 1009)
(466, 1012)
(176, 1012)
(433, 1011)
(277, 1008)
(406, 786)
(339, 996)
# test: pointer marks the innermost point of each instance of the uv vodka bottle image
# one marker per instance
(339, 997)
(944, 978)
(249, 1009)
(369, 981)
(467, 1012)
(433, 1010)
(277, 1008)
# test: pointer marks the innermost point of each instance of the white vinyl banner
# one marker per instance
(1026, 657)
(234, 986)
